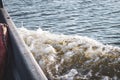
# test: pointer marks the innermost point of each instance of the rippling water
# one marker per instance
(72, 56)
(98, 19)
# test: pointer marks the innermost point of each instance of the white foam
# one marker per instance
(53, 50)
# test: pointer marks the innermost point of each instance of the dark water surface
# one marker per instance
(98, 19)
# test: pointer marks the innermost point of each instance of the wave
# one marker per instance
(72, 57)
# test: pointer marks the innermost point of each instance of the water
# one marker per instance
(64, 57)
(98, 19)
(72, 57)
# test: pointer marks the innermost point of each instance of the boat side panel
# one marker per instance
(23, 65)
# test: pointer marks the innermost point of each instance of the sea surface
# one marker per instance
(97, 19)
(71, 39)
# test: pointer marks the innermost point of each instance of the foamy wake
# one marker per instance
(75, 57)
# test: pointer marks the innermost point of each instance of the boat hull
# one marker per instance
(21, 64)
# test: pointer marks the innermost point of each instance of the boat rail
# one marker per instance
(21, 65)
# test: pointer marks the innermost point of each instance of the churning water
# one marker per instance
(71, 56)
(64, 57)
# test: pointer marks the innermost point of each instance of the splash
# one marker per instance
(72, 57)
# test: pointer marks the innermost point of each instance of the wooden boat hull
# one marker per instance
(21, 64)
